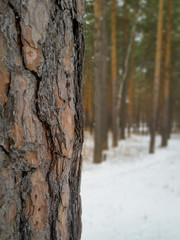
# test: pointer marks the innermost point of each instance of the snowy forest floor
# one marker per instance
(132, 195)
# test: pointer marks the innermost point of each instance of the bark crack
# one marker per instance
(20, 43)
(2, 148)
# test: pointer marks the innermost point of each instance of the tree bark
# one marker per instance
(98, 21)
(114, 74)
(122, 110)
(166, 97)
(90, 96)
(104, 86)
(156, 76)
(88, 93)
(100, 79)
(130, 93)
(41, 50)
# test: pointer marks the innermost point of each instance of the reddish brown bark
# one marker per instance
(40, 119)
(156, 76)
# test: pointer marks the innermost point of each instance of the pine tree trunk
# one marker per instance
(90, 96)
(122, 93)
(123, 111)
(87, 92)
(41, 49)
(156, 76)
(104, 86)
(124, 88)
(166, 103)
(130, 93)
(97, 81)
(114, 73)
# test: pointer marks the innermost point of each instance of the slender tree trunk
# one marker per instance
(114, 73)
(122, 112)
(90, 96)
(41, 45)
(104, 70)
(156, 76)
(109, 103)
(104, 80)
(166, 103)
(171, 108)
(138, 115)
(123, 87)
(130, 94)
(85, 95)
(87, 92)
(98, 21)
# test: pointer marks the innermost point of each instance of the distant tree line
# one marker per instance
(131, 75)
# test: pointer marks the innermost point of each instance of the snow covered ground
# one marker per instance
(132, 195)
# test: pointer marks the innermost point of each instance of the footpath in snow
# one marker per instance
(132, 195)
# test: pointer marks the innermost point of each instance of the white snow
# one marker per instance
(132, 195)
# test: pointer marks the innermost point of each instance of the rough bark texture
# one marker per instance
(41, 49)
(156, 76)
